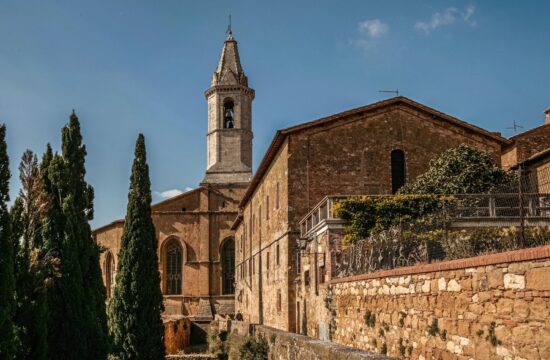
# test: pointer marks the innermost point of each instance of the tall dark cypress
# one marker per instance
(135, 309)
(74, 153)
(7, 279)
(76, 300)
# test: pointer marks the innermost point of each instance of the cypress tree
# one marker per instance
(135, 309)
(7, 278)
(74, 153)
(76, 300)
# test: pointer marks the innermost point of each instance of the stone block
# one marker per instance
(539, 309)
(495, 279)
(538, 279)
(505, 306)
(512, 281)
(442, 284)
(453, 286)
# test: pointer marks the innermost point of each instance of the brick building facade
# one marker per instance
(369, 150)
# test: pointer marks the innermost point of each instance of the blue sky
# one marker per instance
(142, 66)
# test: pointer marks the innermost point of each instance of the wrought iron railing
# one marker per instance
(460, 226)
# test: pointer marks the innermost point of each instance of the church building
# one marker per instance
(196, 246)
(230, 245)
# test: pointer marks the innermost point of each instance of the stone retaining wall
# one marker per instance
(284, 345)
(488, 307)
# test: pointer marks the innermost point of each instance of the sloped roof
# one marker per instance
(281, 135)
(153, 207)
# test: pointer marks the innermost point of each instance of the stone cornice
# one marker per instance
(229, 88)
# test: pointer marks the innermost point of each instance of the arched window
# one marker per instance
(109, 274)
(228, 267)
(228, 114)
(397, 170)
(173, 263)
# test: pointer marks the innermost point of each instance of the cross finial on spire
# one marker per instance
(229, 32)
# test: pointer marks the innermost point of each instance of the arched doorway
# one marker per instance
(173, 259)
(228, 266)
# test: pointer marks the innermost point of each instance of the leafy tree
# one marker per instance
(7, 278)
(135, 309)
(461, 170)
(31, 313)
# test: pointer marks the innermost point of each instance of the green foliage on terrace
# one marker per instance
(461, 170)
(366, 215)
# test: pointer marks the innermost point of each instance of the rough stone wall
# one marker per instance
(290, 346)
(263, 230)
(488, 307)
(312, 290)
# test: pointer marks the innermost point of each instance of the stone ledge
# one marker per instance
(310, 348)
(538, 253)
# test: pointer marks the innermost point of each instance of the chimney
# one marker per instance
(547, 112)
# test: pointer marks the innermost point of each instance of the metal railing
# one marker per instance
(459, 226)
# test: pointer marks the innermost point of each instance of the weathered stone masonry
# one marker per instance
(488, 307)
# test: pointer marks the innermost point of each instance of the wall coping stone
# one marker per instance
(537, 253)
(334, 350)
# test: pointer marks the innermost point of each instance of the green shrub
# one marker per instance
(254, 349)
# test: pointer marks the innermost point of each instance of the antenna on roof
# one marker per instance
(515, 127)
(396, 91)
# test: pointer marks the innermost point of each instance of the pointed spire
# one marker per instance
(229, 70)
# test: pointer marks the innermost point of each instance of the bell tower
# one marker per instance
(229, 137)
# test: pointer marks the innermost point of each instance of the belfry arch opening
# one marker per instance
(228, 114)
(228, 266)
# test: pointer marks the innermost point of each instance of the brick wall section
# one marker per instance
(466, 296)
(525, 145)
(263, 230)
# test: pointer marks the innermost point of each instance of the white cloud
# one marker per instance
(449, 16)
(368, 31)
(168, 193)
(373, 28)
